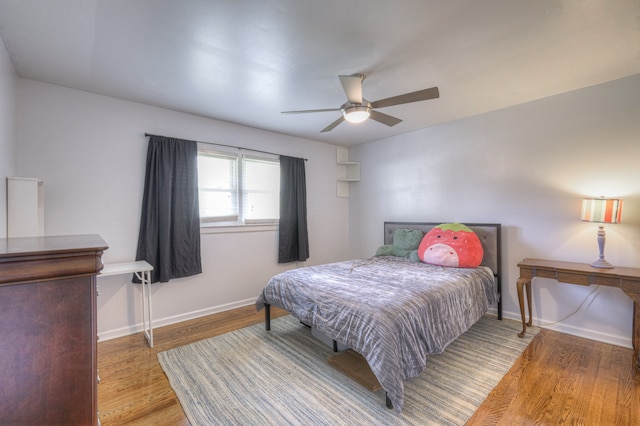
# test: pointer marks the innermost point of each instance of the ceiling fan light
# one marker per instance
(356, 114)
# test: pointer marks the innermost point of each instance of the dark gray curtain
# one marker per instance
(169, 237)
(293, 237)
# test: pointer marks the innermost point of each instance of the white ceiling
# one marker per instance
(246, 61)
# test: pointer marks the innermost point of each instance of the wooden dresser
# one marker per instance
(48, 341)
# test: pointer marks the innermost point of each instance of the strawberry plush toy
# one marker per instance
(451, 244)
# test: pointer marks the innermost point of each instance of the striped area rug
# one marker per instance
(281, 377)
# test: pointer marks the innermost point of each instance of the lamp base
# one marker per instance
(601, 263)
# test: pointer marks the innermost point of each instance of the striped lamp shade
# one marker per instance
(601, 210)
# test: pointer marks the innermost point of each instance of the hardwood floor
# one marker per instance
(559, 379)
(133, 389)
(563, 379)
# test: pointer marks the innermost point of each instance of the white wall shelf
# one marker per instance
(25, 207)
(349, 172)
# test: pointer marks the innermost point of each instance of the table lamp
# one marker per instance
(601, 210)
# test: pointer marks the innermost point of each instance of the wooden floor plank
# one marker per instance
(557, 379)
(562, 379)
(133, 389)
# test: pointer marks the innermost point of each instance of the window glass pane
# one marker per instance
(260, 190)
(218, 187)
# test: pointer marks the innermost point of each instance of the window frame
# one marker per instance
(242, 223)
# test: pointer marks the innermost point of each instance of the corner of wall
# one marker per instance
(8, 129)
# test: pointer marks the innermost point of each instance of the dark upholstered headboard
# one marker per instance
(489, 234)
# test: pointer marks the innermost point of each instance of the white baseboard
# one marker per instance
(624, 341)
(612, 339)
(161, 322)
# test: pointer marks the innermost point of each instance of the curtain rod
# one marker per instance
(228, 146)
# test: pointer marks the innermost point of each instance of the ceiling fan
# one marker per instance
(357, 109)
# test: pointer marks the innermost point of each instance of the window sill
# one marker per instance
(231, 229)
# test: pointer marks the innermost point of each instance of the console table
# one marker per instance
(143, 272)
(626, 279)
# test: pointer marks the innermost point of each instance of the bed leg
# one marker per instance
(267, 316)
(499, 283)
(389, 403)
(335, 346)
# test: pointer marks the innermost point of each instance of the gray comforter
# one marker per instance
(392, 311)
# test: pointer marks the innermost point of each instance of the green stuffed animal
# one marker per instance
(405, 244)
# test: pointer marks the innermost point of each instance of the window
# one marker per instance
(238, 189)
(260, 190)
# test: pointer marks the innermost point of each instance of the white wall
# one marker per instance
(90, 152)
(8, 129)
(496, 167)
(526, 167)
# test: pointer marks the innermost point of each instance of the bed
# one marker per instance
(391, 310)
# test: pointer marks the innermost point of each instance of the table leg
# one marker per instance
(149, 314)
(145, 280)
(635, 330)
(526, 283)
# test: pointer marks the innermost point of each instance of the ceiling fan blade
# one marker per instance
(384, 118)
(332, 125)
(420, 95)
(304, 111)
(352, 86)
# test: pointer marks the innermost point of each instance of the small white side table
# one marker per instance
(143, 272)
